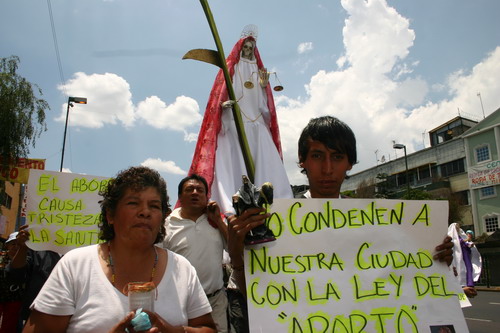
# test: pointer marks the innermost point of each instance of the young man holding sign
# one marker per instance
(327, 150)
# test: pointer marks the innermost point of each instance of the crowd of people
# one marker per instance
(23, 273)
(179, 252)
(174, 260)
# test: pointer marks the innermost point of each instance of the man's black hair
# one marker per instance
(333, 133)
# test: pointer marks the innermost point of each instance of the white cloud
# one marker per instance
(484, 79)
(183, 113)
(164, 166)
(404, 69)
(410, 92)
(108, 100)
(341, 61)
(438, 87)
(304, 47)
(375, 36)
(190, 137)
(303, 63)
(365, 92)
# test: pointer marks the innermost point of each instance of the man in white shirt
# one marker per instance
(196, 231)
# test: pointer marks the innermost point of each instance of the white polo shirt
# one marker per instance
(201, 244)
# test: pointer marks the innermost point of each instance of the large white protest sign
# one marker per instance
(63, 210)
(353, 266)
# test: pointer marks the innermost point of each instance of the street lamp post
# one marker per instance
(401, 146)
(481, 100)
(78, 100)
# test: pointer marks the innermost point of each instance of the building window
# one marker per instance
(462, 198)
(491, 223)
(482, 153)
(487, 192)
(452, 168)
(401, 179)
(425, 173)
(6, 201)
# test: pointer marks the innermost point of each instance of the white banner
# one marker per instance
(487, 174)
(63, 210)
(350, 265)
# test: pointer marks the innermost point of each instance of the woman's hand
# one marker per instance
(202, 324)
(125, 325)
(161, 325)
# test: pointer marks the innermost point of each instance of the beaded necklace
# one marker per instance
(110, 264)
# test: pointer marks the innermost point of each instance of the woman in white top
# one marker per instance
(86, 291)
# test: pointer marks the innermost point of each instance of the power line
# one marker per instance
(58, 56)
(56, 46)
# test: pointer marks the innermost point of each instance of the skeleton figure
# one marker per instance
(250, 196)
(247, 50)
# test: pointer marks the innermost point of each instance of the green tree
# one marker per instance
(384, 187)
(21, 111)
(349, 193)
(417, 194)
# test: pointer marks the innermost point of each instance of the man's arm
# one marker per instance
(445, 251)
(19, 260)
(238, 228)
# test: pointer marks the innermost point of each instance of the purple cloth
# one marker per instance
(466, 255)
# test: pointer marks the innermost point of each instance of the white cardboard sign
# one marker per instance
(353, 265)
(63, 210)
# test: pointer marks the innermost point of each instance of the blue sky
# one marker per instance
(392, 70)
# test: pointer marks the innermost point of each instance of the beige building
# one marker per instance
(440, 169)
(9, 208)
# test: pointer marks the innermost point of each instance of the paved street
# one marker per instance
(484, 314)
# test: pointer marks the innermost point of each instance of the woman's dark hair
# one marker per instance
(194, 176)
(331, 132)
(136, 179)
